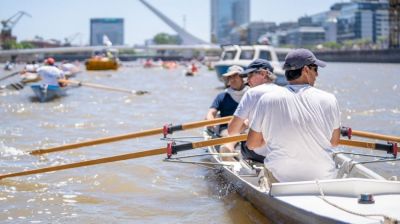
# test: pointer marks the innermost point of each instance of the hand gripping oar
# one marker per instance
(348, 132)
(168, 129)
(98, 86)
(169, 150)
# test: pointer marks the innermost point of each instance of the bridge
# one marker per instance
(190, 45)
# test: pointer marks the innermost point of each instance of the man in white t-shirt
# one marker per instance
(299, 124)
(260, 78)
(50, 74)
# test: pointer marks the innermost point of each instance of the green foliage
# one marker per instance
(26, 45)
(332, 45)
(127, 51)
(12, 44)
(164, 38)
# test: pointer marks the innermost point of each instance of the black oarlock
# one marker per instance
(170, 149)
(346, 132)
(166, 130)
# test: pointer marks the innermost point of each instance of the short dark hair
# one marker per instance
(293, 74)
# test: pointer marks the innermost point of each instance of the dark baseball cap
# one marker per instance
(299, 58)
(256, 65)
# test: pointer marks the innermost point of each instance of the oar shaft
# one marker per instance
(354, 143)
(98, 141)
(100, 86)
(89, 162)
(134, 155)
(129, 136)
(222, 120)
(219, 141)
(8, 76)
(375, 136)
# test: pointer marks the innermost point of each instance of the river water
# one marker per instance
(147, 190)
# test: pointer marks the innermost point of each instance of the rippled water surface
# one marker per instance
(147, 190)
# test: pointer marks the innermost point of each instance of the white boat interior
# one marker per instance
(358, 195)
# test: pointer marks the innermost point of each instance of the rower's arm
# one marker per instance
(212, 114)
(235, 126)
(254, 139)
(335, 137)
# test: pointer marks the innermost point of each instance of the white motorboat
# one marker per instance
(244, 55)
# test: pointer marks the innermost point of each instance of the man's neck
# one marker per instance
(238, 89)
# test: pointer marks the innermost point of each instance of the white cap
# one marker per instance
(233, 70)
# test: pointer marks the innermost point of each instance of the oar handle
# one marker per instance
(349, 132)
(390, 148)
(173, 149)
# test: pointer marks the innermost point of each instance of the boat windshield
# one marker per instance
(247, 55)
(229, 55)
(265, 55)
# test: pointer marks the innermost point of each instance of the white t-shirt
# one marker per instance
(50, 75)
(297, 124)
(31, 67)
(248, 103)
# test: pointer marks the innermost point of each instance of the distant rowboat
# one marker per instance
(47, 93)
(107, 59)
(101, 64)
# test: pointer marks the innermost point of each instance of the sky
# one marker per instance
(60, 19)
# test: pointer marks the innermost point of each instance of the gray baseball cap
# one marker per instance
(256, 65)
(299, 58)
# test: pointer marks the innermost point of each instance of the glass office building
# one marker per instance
(113, 28)
(226, 15)
(367, 20)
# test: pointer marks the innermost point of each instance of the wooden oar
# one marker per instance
(165, 130)
(21, 84)
(346, 131)
(8, 76)
(389, 147)
(134, 155)
(98, 86)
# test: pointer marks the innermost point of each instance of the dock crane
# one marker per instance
(8, 24)
(70, 39)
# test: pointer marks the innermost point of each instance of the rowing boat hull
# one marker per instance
(301, 202)
(101, 64)
(48, 93)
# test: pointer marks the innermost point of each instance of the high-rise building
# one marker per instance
(226, 15)
(113, 28)
(368, 20)
(394, 23)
